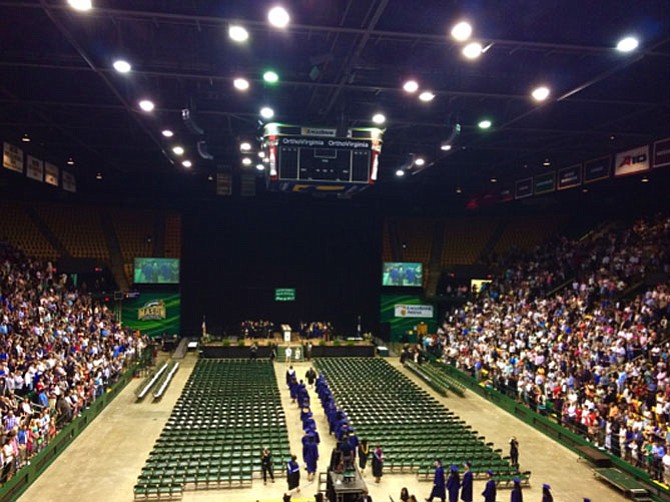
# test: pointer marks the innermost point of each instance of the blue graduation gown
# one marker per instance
(489, 492)
(516, 496)
(466, 487)
(439, 489)
(453, 484)
(310, 454)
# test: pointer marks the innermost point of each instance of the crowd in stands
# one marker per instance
(593, 353)
(59, 351)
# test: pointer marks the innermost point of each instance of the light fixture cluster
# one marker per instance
(247, 156)
(472, 49)
(279, 18)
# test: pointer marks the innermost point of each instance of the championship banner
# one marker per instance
(51, 174)
(248, 185)
(523, 188)
(224, 184)
(662, 153)
(12, 158)
(69, 183)
(153, 314)
(632, 161)
(569, 177)
(425, 311)
(597, 169)
(544, 183)
(34, 168)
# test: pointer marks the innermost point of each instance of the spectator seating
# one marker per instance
(387, 248)
(594, 352)
(228, 411)
(172, 235)
(134, 230)
(416, 239)
(465, 239)
(79, 230)
(388, 409)
(527, 232)
(42, 391)
(19, 229)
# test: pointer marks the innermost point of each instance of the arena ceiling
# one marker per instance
(339, 62)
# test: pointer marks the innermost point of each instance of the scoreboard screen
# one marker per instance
(324, 159)
(316, 159)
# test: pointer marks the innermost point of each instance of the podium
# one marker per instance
(345, 487)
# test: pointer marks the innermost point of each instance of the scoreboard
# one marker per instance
(303, 159)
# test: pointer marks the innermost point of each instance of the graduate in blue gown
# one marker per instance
(466, 484)
(439, 488)
(310, 455)
(489, 492)
(453, 483)
(517, 494)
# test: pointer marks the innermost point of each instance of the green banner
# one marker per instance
(153, 314)
(405, 321)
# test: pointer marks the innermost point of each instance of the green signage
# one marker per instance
(153, 314)
(284, 294)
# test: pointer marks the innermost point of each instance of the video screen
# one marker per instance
(156, 271)
(402, 274)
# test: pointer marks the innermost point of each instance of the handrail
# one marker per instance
(159, 393)
(146, 388)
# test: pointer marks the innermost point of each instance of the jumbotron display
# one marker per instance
(408, 274)
(311, 159)
(156, 271)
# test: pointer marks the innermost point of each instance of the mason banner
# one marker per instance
(154, 314)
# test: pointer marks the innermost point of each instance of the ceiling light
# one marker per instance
(178, 150)
(260, 167)
(458, 190)
(473, 50)
(246, 161)
(82, 5)
(261, 154)
(266, 160)
(187, 163)
(546, 163)
(167, 133)
(494, 180)
(378, 118)
(146, 105)
(411, 86)
(241, 84)
(25, 138)
(645, 180)
(238, 33)
(98, 176)
(267, 112)
(461, 31)
(426, 96)
(627, 44)
(400, 172)
(70, 161)
(245, 147)
(210, 178)
(419, 162)
(540, 93)
(485, 124)
(122, 66)
(271, 77)
(278, 17)
(445, 147)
